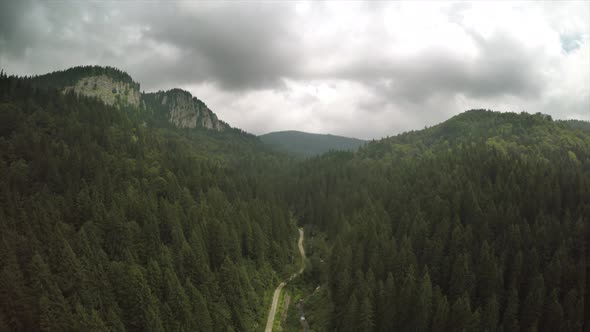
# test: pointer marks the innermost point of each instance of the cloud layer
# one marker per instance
(360, 69)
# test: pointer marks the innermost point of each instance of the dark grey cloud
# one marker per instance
(15, 34)
(501, 67)
(240, 47)
(243, 46)
(52, 35)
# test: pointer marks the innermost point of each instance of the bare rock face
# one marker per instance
(186, 111)
(116, 88)
(103, 87)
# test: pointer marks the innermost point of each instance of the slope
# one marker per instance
(109, 224)
(307, 144)
(475, 224)
(116, 88)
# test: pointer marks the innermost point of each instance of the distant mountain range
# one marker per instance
(307, 144)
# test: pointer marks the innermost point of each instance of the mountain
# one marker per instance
(109, 223)
(478, 223)
(307, 144)
(112, 86)
(183, 110)
(507, 132)
(115, 87)
(121, 217)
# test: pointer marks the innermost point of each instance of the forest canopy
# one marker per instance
(112, 220)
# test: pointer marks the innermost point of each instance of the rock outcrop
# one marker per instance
(115, 87)
(110, 91)
(186, 111)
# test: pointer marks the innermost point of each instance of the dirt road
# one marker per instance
(275, 296)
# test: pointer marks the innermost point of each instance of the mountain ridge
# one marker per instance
(508, 130)
(111, 223)
(309, 144)
(117, 88)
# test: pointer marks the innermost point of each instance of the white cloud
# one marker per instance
(362, 69)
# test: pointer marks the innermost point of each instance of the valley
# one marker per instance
(158, 216)
(289, 166)
(275, 298)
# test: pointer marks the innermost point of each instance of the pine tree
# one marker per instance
(487, 273)
(89, 320)
(510, 315)
(441, 316)
(351, 317)
(552, 318)
(490, 315)
(199, 308)
(366, 315)
(533, 304)
(424, 304)
(177, 299)
(460, 278)
(390, 293)
(14, 303)
(460, 315)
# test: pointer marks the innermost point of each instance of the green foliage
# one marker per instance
(307, 145)
(62, 78)
(112, 219)
(107, 224)
(475, 224)
(579, 124)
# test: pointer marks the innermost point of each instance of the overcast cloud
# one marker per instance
(366, 70)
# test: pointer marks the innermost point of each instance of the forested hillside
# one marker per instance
(307, 145)
(172, 108)
(63, 78)
(109, 224)
(477, 224)
(117, 218)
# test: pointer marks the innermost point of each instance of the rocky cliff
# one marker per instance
(110, 91)
(111, 85)
(183, 110)
(117, 88)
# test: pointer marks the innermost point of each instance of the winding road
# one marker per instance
(275, 297)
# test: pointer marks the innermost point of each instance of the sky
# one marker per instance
(359, 69)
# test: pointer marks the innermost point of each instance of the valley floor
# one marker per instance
(277, 292)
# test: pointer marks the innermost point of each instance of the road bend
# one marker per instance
(277, 292)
